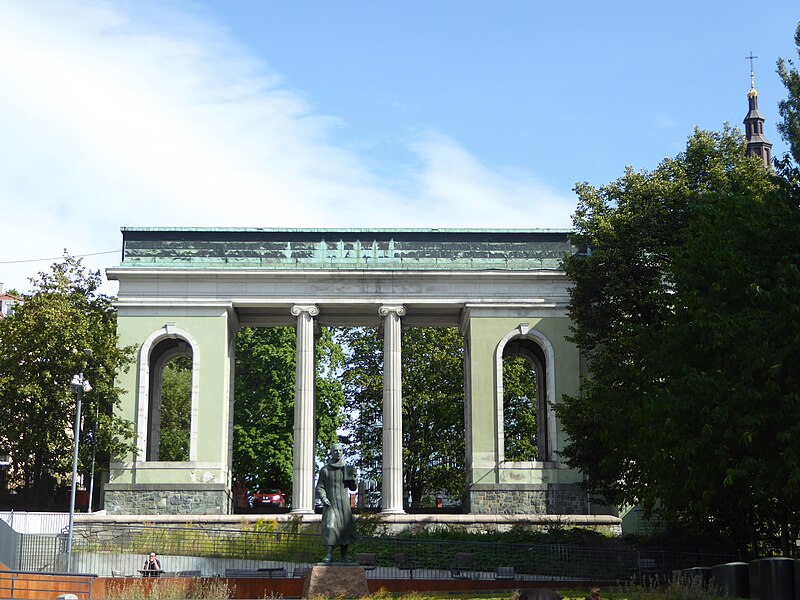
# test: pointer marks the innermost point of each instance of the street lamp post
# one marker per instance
(79, 385)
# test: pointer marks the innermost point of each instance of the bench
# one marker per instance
(403, 562)
(505, 573)
(117, 573)
(367, 560)
(462, 567)
(265, 573)
(301, 572)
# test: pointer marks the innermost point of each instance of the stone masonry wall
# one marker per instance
(95, 527)
(527, 500)
(158, 500)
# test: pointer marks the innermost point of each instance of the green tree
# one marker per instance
(264, 403)
(176, 404)
(789, 108)
(735, 325)
(43, 345)
(683, 305)
(329, 392)
(362, 378)
(433, 407)
(519, 409)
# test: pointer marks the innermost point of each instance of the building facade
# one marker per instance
(187, 292)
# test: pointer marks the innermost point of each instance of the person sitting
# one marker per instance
(152, 567)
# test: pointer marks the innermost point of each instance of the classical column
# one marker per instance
(303, 456)
(392, 493)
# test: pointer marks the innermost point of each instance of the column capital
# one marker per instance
(299, 309)
(399, 309)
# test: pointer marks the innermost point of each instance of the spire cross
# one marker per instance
(751, 58)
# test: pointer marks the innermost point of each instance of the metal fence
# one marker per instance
(42, 553)
(265, 550)
(489, 560)
(35, 522)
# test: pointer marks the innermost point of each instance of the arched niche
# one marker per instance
(537, 351)
(157, 351)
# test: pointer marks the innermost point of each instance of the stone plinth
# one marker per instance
(334, 580)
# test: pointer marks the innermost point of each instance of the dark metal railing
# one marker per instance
(113, 549)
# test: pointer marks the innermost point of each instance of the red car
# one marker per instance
(274, 498)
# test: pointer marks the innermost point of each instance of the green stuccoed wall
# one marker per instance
(208, 471)
(500, 487)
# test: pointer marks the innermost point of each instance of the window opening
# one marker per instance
(520, 409)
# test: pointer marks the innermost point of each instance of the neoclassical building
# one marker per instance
(186, 292)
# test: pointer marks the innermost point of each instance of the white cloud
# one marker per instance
(455, 185)
(114, 114)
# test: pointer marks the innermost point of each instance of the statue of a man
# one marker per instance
(335, 479)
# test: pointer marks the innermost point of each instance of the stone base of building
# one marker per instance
(527, 499)
(166, 499)
(382, 524)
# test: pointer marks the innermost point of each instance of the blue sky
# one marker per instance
(352, 114)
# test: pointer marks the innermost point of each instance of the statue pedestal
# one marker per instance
(333, 580)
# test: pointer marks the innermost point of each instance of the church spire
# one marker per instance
(757, 144)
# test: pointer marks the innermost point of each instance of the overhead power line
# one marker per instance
(30, 260)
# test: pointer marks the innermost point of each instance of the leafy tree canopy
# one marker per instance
(519, 409)
(43, 345)
(176, 404)
(685, 305)
(264, 404)
(790, 107)
(433, 408)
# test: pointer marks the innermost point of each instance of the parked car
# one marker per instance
(270, 497)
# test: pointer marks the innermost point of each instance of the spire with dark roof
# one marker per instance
(757, 144)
